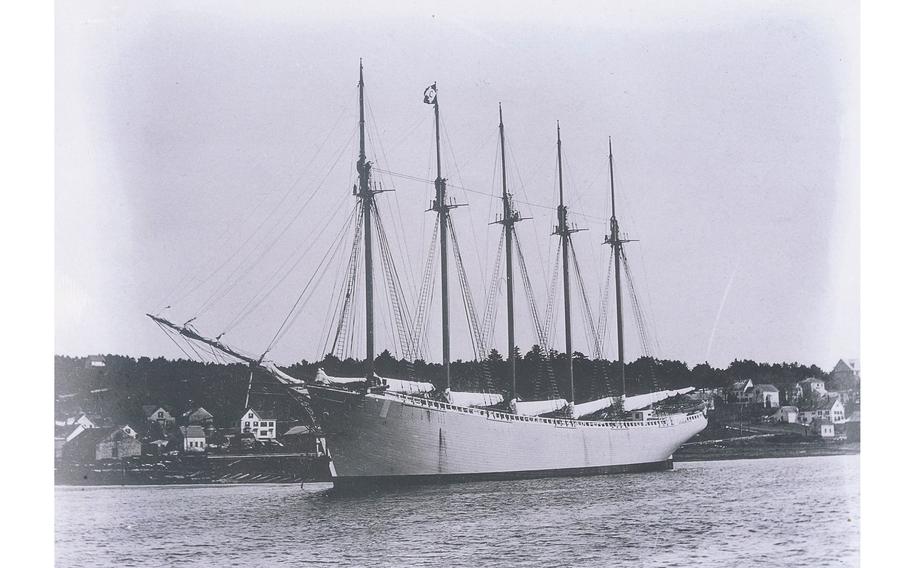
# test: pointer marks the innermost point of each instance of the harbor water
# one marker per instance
(787, 511)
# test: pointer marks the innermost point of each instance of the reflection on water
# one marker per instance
(803, 511)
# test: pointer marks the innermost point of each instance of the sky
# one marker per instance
(205, 152)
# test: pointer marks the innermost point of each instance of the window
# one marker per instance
(246, 424)
(160, 414)
(250, 415)
(255, 424)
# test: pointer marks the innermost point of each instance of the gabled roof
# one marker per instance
(200, 410)
(809, 380)
(741, 385)
(95, 435)
(192, 432)
(829, 403)
(766, 388)
(789, 409)
(267, 415)
(149, 409)
(65, 431)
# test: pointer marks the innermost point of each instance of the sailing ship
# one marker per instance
(391, 431)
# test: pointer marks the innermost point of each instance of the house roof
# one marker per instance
(65, 430)
(809, 380)
(789, 409)
(95, 435)
(741, 385)
(766, 388)
(149, 409)
(192, 432)
(200, 410)
(299, 431)
(263, 415)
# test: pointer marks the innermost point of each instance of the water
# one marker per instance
(793, 511)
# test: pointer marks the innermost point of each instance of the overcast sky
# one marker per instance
(211, 145)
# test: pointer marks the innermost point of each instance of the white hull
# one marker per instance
(397, 437)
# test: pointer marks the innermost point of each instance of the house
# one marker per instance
(158, 414)
(812, 385)
(63, 435)
(260, 424)
(81, 418)
(198, 416)
(792, 393)
(192, 439)
(738, 392)
(95, 444)
(823, 428)
(94, 361)
(786, 414)
(766, 395)
(830, 409)
(130, 431)
(845, 373)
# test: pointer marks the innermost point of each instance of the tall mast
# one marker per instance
(562, 229)
(440, 206)
(365, 194)
(508, 220)
(616, 242)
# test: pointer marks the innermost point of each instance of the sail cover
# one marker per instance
(472, 398)
(642, 400)
(323, 378)
(537, 407)
(592, 406)
(406, 387)
(283, 377)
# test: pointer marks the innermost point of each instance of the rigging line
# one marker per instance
(589, 318)
(270, 214)
(329, 253)
(523, 189)
(250, 307)
(427, 286)
(473, 234)
(400, 242)
(489, 194)
(466, 296)
(399, 306)
(222, 291)
(345, 294)
(168, 333)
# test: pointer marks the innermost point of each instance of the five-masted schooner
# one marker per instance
(393, 431)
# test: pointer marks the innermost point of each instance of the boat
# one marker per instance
(378, 436)
(381, 431)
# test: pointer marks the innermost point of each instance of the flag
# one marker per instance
(429, 94)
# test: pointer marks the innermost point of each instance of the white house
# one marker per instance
(262, 426)
(739, 393)
(160, 414)
(831, 409)
(786, 414)
(824, 428)
(129, 431)
(81, 419)
(193, 438)
(812, 384)
(766, 395)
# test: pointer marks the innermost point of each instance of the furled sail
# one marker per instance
(537, 407)
(590, 407)
(642, 400)
(323, 378)
(459, 398)
(406, 387)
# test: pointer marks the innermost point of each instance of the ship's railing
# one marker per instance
(663, 421)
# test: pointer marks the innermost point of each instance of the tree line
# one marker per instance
(120, 388)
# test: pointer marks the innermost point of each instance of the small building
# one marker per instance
(739, 392)
(829, 409)
(130, 431)
(198, 416)
(63, 435)
(159, 415)
(766, 395)
(261, 425)
(96, 444)
(823, 428)
(786, 414)
(845, 373)
(812, 385)
(82, 418)
(192, 439)
(94, 362)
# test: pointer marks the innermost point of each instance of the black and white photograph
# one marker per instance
(456, 284)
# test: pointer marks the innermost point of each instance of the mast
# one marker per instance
(365, 194)
(616, 242)
(508, 220)
(562, 229)
(440, 206)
